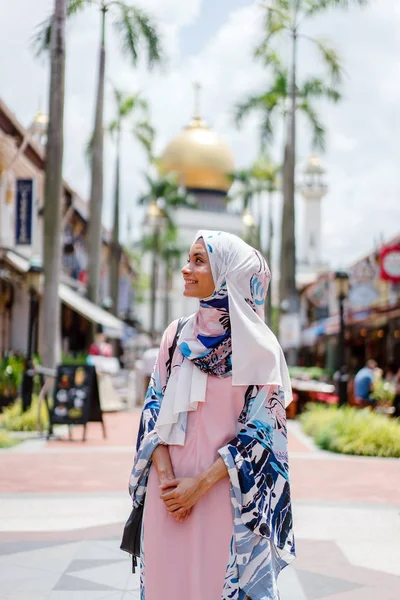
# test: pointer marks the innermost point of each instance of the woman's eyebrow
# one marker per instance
(198, 253)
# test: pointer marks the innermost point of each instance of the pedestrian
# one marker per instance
(364, 384)
(212, 463)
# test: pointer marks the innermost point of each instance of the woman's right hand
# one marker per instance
(165, 471)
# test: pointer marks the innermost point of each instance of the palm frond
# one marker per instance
(135, 28)
(40, 42)
(314, 7)
(243, 109)
(316, 88)
(149, 35)
(331, 59)
(318, 130)
(89, 149)
(145, 134)
(268, 55)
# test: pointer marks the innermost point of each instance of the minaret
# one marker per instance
(313, 188)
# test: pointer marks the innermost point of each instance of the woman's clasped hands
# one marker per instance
(181, 494)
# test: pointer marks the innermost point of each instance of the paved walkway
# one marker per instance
(63, 505)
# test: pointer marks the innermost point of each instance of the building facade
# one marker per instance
(22, 179)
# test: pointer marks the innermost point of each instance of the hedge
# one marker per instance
(352, 431)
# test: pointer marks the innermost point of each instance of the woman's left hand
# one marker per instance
(187, 491)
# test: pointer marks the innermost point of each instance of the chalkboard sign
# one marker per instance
(76, 397)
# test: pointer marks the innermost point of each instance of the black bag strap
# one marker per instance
(181, 323)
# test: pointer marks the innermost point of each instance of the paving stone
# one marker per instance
(318, 586)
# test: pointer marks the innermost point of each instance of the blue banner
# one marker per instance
(24, 212)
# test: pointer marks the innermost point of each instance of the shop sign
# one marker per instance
(363, 295)
(390, 264)
(24, 212)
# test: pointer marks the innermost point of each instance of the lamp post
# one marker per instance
(33, 280)
(342, 290)
(155, 217)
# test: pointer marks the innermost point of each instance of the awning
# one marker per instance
(310, 335)
(113, 327)
(20, 263)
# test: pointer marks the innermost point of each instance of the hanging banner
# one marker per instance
(24, 212)
(390, 264)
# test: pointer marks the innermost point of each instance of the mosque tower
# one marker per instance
(313, 188)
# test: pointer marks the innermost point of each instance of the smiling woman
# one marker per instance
(211, 466)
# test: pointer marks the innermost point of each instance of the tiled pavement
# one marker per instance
(62, 508)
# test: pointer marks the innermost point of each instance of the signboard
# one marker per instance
(76, 397)
(24, 212)
(390, 264)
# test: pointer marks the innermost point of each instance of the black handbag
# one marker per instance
(133, 527)
(131, 535)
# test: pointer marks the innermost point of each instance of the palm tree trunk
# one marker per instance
(168, 275)
(287, 286)
(269, 259)
(53, 192)
(96, 193)
(154, 282)
(115, 255)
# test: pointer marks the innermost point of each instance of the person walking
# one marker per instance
(211, 464)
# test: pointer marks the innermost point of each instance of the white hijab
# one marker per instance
(257, 358)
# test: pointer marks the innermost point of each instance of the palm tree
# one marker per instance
(164, 195)
(134, 28)
(144, 133)
(288, 17)
(266, 174)
(53, 191)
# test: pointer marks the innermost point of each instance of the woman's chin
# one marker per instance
(190, 293)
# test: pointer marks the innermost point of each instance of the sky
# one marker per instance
(212, 41)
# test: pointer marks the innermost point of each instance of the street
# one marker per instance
(63, 506)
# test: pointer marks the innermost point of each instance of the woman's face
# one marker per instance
(199, 282)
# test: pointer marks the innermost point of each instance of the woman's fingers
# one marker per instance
(169, 484)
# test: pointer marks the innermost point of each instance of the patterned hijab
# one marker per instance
(226, 336)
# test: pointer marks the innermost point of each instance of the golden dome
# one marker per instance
(200, 158)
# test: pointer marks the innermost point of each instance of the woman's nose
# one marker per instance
(186, 268)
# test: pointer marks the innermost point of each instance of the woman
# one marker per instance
(211, 457)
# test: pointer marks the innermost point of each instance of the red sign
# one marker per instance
(390, 264)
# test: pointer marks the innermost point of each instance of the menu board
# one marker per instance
(76, 396)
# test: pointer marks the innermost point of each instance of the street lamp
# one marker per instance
(342, 291)
(155, 218)
(33, 281)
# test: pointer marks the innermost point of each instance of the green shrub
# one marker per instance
(6, 441)
(13, 419)
(78, 359)
(11, 373)
(309, 372)
(352, 431)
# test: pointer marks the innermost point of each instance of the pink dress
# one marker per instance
(188, 561)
